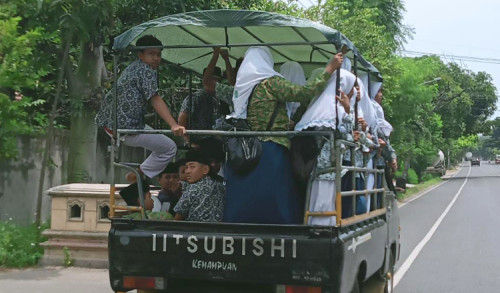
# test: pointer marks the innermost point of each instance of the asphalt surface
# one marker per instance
(449, 243)
(55, 280)
(450, 236)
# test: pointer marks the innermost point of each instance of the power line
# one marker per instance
(462, 58)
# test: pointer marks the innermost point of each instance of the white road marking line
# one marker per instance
(417, 197)
(416, 251)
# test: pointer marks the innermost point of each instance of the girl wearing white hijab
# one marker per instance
(294, 73)
(387, 153)
(321, 114)
(267, 194)
(369, 116)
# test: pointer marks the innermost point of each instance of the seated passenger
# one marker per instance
(267, 194)
(213, 147)
(203, 199)
(171, 190)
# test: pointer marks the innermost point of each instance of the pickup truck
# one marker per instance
(176, 256)
(355, 254)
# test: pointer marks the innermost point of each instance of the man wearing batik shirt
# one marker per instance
(213, 102)
(203, 199)
(136, 87)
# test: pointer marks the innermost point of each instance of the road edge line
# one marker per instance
(416, 251)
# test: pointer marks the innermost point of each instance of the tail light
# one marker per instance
(143, 283)
(297, 289)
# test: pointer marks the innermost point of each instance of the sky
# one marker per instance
(455, 27)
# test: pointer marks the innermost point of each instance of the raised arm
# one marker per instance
(290, 92)
(208, 80)
(231, 76)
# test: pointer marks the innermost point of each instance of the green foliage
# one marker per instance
(427, 177)
(68, 260)
(14, 121)
(20, 246)
(23, 73)
(412, 176)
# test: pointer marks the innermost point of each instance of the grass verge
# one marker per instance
(419, 188)
(20, 245)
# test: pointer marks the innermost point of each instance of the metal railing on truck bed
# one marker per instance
(335, 157)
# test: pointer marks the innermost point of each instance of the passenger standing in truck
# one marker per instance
(386, 157)
(136, 87)
(267, 194)
(322, 115)
(206, 106)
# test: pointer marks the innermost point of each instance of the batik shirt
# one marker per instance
(279, 90)
(135, 86)
(204, 106)
(202, 201)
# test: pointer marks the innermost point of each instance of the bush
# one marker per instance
(412, 176)
(426, 177)
(20, 246)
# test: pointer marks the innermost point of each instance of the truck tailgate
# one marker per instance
(272, 254)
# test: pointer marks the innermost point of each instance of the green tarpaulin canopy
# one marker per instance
(189, 38)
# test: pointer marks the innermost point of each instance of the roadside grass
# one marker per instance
(20, 245)
(419, 188)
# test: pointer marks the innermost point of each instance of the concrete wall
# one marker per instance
(19, 178)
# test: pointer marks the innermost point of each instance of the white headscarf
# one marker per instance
(346, 64)
(257, 65)
(294, 73)
(363, 75)
(383, 125)
(366, 106)
(322, 112)
(375, 87)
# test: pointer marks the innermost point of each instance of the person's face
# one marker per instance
(195, 171)
(169, 181)
(378, 97)
(182, 173)
(152, 57)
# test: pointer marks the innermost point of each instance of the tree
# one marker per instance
(20, 73)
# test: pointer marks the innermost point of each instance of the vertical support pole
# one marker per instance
(113, 138)
(190, 99)
(338, 182)
(369, 86)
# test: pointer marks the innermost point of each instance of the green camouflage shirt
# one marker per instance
(279, 90)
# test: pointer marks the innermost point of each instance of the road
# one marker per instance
(450, 243)
(55, 280)
(450, 236)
